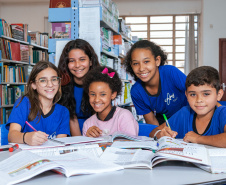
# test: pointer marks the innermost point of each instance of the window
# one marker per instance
(170, 32)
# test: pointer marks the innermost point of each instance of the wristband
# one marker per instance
(23, 138)
(155, 137)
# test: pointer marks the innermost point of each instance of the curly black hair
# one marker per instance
(68, 99)
(204, 75)
(96, 75)
(144, 44)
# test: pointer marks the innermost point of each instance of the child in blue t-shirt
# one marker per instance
(202, 122)
(159, 88)
(39, 108)
(77, 59)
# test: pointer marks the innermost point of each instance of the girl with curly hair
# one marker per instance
(159, 88)
(102, 85)
(77, 58)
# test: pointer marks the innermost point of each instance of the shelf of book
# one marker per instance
(7, 106)
(12, 39)
(16, 62)
(13, 61)
(111, 55)
(38, 46)
(13, 83)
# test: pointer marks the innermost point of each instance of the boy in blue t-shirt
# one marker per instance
(202, 122)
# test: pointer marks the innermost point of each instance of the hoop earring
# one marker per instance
(65, 79)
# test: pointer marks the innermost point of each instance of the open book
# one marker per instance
(62, 142)
(123, 136)
(25, 165)
(164, 150)
(217, 160)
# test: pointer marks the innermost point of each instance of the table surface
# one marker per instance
(170, 172)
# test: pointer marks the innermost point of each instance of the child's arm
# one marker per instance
(93, 131)
(61, 135)
(151, 119)
(31, 138)
(218, 140)
(165, 131)
(74, 127)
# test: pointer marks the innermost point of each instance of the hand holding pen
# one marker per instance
(40, 137)
(166, 131)
(34, 138)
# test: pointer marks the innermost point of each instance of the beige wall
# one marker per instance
(212, 27)
(27, 13)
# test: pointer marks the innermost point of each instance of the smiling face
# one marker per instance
(145, 65)
(100, 97)
(48, 92)
(79, 64)
(203, 99)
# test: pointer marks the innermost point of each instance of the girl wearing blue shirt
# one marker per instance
(77, 58)
(39, 107)
(159, 88)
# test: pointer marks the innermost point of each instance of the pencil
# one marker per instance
(166, 120)
(48, 138)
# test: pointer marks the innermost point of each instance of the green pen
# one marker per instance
(166, 120)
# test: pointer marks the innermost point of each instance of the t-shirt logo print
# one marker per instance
(52, 136)
(169, 98)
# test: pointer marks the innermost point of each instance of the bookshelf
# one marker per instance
(103, 16)
(16, 62)
(87, 18)
(65, 16)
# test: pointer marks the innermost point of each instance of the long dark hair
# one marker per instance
(32, 94)
(144, 44)
(68, 99)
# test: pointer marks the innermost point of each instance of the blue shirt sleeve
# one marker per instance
(139, 99)
(19, 113)
(178, 78)
(65, 126)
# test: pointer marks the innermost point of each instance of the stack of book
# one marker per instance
(19, 31)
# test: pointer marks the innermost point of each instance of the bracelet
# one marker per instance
(155, 137)
(23, 138)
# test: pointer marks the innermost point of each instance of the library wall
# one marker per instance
(214, 27)
(26, 12)
(145, 7)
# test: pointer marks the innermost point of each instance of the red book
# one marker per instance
(59, 3)
(15, 49)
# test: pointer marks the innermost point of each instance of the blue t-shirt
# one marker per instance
(170, 97)
(78, 94)
(54, 123)
(182, 121)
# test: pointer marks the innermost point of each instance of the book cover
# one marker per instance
(15, 49)
(59, 3)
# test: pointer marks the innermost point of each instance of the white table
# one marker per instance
(167, 173)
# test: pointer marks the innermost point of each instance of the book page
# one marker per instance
(120, 135)
(24, 165)
(174, 149)
(218, 160)
(76, 164)
(128, 158)
(78, 139)
(152, 145)
(90, 150)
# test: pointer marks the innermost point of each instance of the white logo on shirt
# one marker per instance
(169, 98)
(52, 136)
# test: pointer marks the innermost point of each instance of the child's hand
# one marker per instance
(93, 132)
(191, 137)
(36, 138)
(166, 131)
